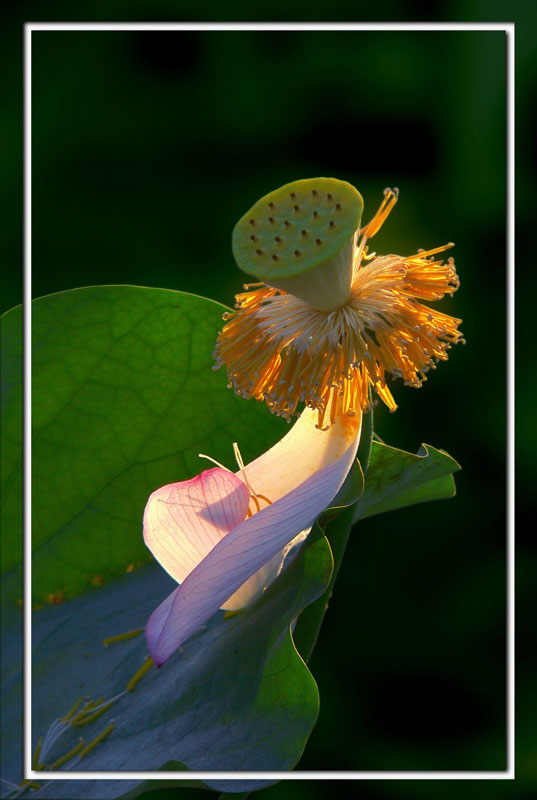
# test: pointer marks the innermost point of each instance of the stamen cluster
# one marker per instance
(279, 349)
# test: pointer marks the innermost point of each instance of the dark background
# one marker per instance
(147, 147)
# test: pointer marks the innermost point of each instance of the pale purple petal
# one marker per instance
(184, 521)
(239, 554)
(157, 621)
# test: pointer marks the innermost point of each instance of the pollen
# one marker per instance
(279, 350)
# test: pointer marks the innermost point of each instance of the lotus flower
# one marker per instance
(330, 321)
(224, 537)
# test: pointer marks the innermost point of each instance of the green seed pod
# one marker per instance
(300, 238)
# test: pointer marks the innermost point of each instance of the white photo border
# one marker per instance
(509, 29)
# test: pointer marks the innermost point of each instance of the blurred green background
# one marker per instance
(147, 147)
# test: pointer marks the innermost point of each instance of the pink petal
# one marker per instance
(239, 555)
(184, 521)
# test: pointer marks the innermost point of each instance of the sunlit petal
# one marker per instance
(184, 521)
(243, 551)
(301, 453)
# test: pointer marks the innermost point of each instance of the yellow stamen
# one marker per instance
(68, 756)
(139, 674)
(84, 719)
(284, 352)
(37, 751)
(94, 742)
(262, 497)
(88, 705)
(424, 253)
(374, 225)
(256, 502)
(240, 463)
(214, 461)
(72, 711)
(279, 349)
(253, 494)
(121, 637)
(95, 703)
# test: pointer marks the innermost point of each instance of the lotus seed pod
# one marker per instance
(300, 239)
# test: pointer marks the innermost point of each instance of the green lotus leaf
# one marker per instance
(123, 400)
(396, 479)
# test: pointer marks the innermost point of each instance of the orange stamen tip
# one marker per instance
(390, 199)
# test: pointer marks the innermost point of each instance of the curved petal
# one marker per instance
(255, 585)
(252, 589)
(243, 551)
(184, 521)
(301, 453)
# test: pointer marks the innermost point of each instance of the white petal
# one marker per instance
(256, 584)
(184, 521)
(301, 453)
